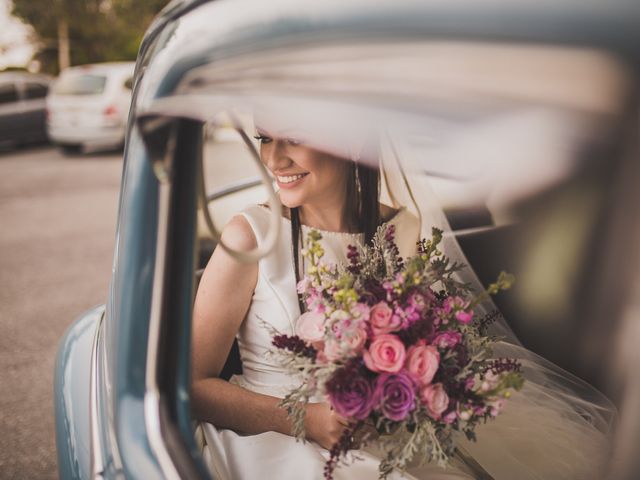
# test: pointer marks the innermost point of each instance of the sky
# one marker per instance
(15, 48)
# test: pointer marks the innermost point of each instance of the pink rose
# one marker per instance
(435, 399)
(386, 354)
(423, 362)
(382, 319)
(335, 349)
(355, 339)
(310, 327)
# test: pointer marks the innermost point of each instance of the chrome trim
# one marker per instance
(235, 187)
(271, 239)
(239, 186)
(97, 463)
(152, 391)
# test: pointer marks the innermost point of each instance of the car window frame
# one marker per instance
(167, 412)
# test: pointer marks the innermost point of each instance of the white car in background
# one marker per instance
(88, 105)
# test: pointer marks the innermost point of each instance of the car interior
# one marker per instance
(532, 174)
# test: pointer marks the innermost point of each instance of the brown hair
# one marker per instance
(362, 210)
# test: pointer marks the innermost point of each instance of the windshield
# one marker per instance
(80, 84)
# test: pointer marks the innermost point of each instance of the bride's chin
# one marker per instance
(289, 202)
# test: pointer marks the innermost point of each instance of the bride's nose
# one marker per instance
(275, 155)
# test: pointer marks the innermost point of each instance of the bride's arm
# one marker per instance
(222, 301)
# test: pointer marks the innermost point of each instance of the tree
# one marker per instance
(86, 31)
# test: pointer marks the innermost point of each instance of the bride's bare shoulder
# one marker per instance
(238, 234)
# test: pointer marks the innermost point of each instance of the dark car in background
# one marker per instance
(22, 108)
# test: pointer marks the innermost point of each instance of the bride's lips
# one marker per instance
(290, 181)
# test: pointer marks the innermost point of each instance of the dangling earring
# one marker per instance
(357, 178)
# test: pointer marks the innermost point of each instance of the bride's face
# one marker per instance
(304, 175)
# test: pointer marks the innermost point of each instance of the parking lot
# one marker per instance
(57, 227)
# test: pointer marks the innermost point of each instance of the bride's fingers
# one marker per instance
(341, 420)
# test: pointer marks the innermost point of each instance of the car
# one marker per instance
(519, 118)
(22, 108)
(88, 105)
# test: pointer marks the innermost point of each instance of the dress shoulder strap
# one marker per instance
(258, 218)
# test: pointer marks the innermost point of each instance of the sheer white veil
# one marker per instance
(558, 426)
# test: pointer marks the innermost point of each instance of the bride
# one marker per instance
(549, 430)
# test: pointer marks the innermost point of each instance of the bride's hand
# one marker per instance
(323, 425)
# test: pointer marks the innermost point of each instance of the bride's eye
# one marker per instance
(263, 138)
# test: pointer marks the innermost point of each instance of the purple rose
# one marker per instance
(351, 394)
(396, 394)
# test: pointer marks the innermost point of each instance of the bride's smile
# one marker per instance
(290, 181)
(309, 179)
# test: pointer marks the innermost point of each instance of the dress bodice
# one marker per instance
(274, 303)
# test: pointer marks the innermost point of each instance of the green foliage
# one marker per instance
(423, 443)
(99, 30)
(504, 282)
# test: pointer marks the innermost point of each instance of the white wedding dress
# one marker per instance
(536, 437)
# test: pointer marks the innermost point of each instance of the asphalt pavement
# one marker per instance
(57, 231)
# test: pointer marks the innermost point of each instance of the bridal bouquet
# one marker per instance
(394, 346)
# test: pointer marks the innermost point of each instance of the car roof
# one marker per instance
(106, 67)
(254, 26)
(23, 76)
(612, 24)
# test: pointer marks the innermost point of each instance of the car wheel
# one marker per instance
(71, 149)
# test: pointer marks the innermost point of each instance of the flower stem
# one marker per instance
(468, 461)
